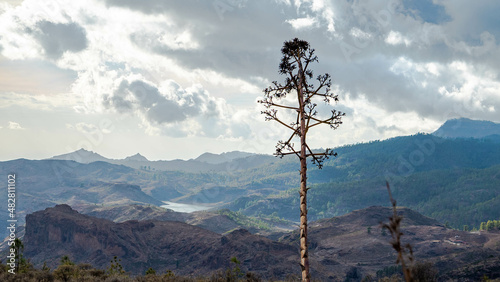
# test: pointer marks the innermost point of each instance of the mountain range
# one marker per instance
(424, 170)
(451, 175)
(453, 128)
(206, 162)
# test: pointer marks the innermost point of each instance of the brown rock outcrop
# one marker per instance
(163, 245)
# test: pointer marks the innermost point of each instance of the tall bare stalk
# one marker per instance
(297, 55)
(394, 227)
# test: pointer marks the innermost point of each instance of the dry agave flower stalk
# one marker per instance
(404, 252)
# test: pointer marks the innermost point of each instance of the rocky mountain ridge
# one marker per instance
(162, 245)
(354, 242)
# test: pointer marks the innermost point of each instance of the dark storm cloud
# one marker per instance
(240, 39)
(159, 108)
(469, 19)
(119, 100)
(57, 38)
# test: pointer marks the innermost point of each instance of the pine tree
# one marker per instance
(490, 225)
(482, 226)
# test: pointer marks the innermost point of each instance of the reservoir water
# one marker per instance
(178, 207)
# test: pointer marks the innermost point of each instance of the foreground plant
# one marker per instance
(404, 252)
(297, 55)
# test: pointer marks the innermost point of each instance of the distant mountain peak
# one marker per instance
(81, 156)
(137, 157)
(82, 151)
(222, 158)
(467, 128)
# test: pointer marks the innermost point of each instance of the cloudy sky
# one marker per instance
(174, 79)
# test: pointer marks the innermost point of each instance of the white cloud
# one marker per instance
(85, 128)
(396, 38)
(15, 126)
(302, 23)
(182, 41)
(323, 10)
(38, 102)
(475, 89)
(358, 33)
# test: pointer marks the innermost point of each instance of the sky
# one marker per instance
(175, 79)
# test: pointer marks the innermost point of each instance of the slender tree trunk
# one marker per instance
(304, 256)
(294, 64)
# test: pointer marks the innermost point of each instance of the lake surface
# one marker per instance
(178, 207)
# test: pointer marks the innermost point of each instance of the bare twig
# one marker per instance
(396, 233)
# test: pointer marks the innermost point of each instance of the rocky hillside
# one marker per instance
(163, 245)
(353, 244)
(213, 221)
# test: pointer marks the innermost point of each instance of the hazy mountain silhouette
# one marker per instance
(206, 162)
(222, 158)
(82, 156)
(467, 128)
(137, 157)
